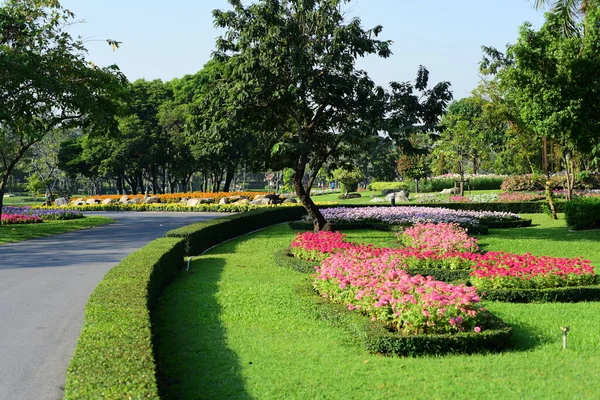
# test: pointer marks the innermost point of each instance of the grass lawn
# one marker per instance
(232, 329)
(17, 233)
(22, 201)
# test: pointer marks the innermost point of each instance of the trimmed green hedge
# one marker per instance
(375, 338)
(560, 295)
(114, 354)
(583, 213)
(508, 224)
(203, 235)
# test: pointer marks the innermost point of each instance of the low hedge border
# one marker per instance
(375, 338)
(523, 223)
(570, 294)
(378, 226)
(114, 355)
(284, 259)
(203, 235)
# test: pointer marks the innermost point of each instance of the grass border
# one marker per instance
(566, 294)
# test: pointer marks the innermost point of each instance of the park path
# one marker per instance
(44, 286)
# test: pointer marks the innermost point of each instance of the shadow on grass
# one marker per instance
(192, 357)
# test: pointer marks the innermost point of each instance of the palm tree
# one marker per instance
(569, 11)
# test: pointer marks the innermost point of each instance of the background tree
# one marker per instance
(568, 13)
(554, 82)
(415, 167)
(295, 84)
(349, 177)
(45, 81)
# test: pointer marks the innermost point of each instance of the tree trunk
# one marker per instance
(550, 198)
(319, 222)
(416, 186)
(2, 189)
(228, 179)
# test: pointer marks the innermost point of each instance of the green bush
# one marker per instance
(203, 235)
(516, 183)
(381, 186)
(583, 213)
(376, 339)
(563, 294)
(114, 354)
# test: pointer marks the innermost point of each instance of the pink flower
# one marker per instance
(477, 329)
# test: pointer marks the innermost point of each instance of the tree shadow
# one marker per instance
(190, 341)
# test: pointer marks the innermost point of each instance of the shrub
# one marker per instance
(349, 196)
(114, 354)
(393, 186)
(583, 213)
(568, 294)
(516, 183)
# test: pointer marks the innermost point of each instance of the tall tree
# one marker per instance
(554, 82)
(568, 12)
(45, 81)
(295, 82)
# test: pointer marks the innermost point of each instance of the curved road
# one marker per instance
(44, 286)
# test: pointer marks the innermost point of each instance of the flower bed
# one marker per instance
(20, 219)
(177, 197)
(44, 213)
(413, 215)
(489, 273)
(378, 286)
(440, 238)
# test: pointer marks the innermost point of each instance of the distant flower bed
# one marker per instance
(20, 219)
(413, 215)
(43, 213)
(177, 197)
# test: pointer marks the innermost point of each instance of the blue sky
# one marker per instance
(168, 39)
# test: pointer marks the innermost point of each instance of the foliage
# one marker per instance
(47, 84)
(415, 167)
(295, 85)
(349, 178)
(114, 357)
(381, 186)
(583, 213)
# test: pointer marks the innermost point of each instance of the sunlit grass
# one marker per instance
(233, 329)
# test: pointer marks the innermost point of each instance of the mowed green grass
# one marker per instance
(233, 329)
(18, 233)
(22, 201)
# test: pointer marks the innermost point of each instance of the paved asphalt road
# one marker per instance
(44, 286)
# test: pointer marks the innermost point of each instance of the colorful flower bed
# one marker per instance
(440, 238)
(379, 287)
(492, 270)
(19, 219)
(499, 270)
(43, 213)
(413, 215)
(177, 197)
